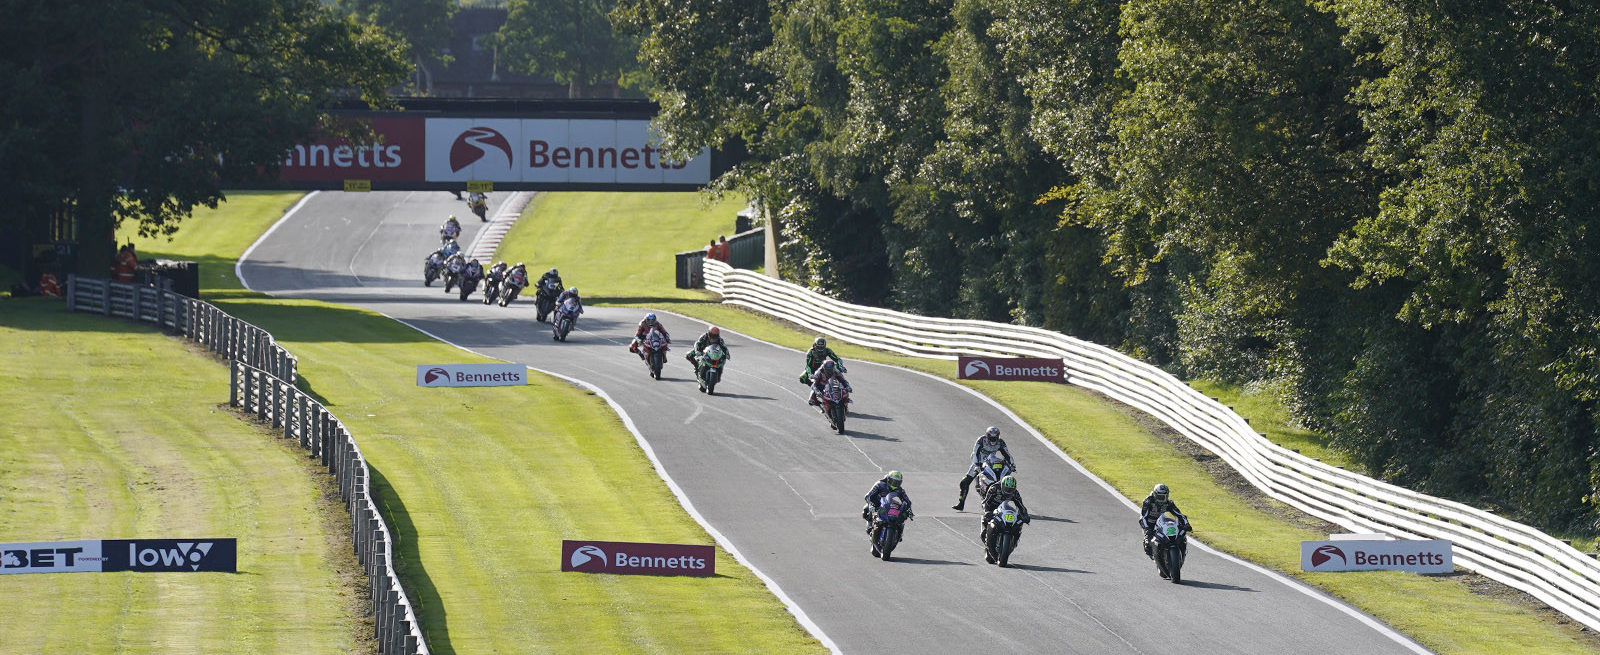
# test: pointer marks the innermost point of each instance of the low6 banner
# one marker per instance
(108, 555)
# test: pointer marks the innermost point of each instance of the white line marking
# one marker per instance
(809, 508)
(698, 407)
(238, 266)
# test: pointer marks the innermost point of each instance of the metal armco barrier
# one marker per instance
(261, 382)
(1508, 552)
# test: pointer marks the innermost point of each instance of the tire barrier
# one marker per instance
(1502, 550)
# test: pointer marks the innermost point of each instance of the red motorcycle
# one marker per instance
(835, 401)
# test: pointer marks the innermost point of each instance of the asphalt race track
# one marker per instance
(763, 468)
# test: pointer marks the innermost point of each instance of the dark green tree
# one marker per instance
(570, 41)
(142, 110)
(423, 24)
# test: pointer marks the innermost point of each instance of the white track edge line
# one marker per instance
(1301, 587)
(238, 264)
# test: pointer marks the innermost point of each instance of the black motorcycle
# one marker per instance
(1168, 547)
(544, 299)
(469, 283)
(888, 524)
(566, 317)
(1002, 533)
(431, 268)
(491, 288)
(452, 272)
(708, 368)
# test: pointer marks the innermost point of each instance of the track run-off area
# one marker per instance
(761, 469)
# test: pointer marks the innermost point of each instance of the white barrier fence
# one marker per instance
(262, 375)
(1508, 552)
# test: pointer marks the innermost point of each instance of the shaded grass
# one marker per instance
(94, 450)
(482, 484)
(1120, 446)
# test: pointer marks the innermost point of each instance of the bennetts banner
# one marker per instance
(1011, 368)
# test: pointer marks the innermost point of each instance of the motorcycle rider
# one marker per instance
(473, 271)
(889, 485)
(1000, 493)
(711, 336)
(477, 198)
(826, 373)
(445, 251)
(1157, 503)
(496, 273)
(989, 442)
(452, 227)
(551, 275)
(646, 326)
(814, 358)
(573, 294)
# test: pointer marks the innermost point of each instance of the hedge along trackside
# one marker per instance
(1112, 441)
(93, 449)
(482, 484)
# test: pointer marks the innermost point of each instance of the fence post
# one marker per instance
(233, 384)
(105, 306)
(138, 303)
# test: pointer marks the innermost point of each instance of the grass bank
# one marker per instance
(482, 484)
(94, 450)
(1119, 445)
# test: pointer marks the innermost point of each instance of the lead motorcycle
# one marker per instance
(654, 346)
(431, 268)
(566, 317)
(515, 281)
(708, 368)
(889, 524)
(1001, 534)
(1169, 546)
(544, 299)
(835, 403)
(479, 202)
(993, 469)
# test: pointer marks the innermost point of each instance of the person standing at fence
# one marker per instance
(724, 250)
(711, 250)
(125, 264)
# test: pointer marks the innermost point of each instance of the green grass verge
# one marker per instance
(1443, 613)
(482, 484)
(92, 450)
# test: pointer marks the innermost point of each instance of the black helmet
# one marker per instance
(1159, 493)
(992, 433)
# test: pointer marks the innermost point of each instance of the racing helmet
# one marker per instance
(452, 217)
(553, 272)
(1009, 482)
(820, 343)
(992, 433)
(894, 479)
(715, 332)
(1159, 493)
(650, 319)
(827, 365)
(519, 265)
(573, 291)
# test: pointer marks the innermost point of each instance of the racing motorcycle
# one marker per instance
(835, 401)
(491, 287)
(469, 282)
(448, 233)
(1001, 534)
(430, 269)
(708, 369)
(479, 202)
(1169, 546)
(993, 469)
(655, 347)
(452, 271)
(544, 300)
(515, 281)
(888, 524)
(566, 316)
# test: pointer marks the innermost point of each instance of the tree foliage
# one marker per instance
(570, 41)
(142, 110)
(1384, 209)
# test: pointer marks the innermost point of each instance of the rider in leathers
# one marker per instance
(711, 336)
(819, 352)
(495, 273)
(889, 485)
(573, 294)
(1154, 505)
(645, 327)
(548, 276)
(827, 372)
(1000, 493)
(989, 442)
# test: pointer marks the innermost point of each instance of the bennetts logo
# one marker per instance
(1323, 554)
(473, 144)
(976, 366)
(435, 374)
(588, 558)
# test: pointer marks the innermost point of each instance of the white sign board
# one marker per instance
(471, 375)
(51, 557)
(554, 150)
(1416, 556)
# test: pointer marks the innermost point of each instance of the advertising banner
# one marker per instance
(554, 150)
(109, 555)
(50, 557)
(471, 375)
(1040, 369)
(1416, 556)
(636, 558)
(396, 156)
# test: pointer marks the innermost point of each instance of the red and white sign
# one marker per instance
(637, 558)
(1011, 368)
(1416, 556)
(471, 375)
(396, 156)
